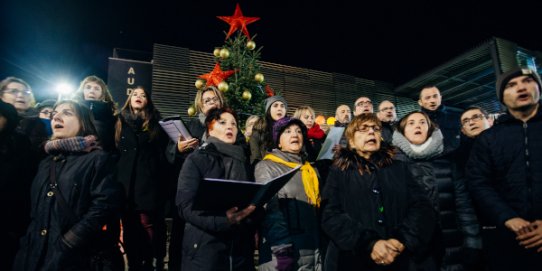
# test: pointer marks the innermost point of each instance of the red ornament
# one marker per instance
(238, 21)
(269, 91)
(216, 76)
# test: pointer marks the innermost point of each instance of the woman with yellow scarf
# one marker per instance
(290, 234)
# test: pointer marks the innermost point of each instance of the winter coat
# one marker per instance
(382, 203)
(210, 242)
(457, 231)
(142, 167)
(62, 239)
(504, 170)
(289, 219)
(387, 131)
(447, 121)
(18, 166)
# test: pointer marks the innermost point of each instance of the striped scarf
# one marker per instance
(72, 144)
(308, 177)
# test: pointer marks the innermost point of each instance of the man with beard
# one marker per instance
(504, 175)
(388, 116)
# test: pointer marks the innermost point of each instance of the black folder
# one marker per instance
(218, 195)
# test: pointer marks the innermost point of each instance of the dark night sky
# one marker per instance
(48, 41)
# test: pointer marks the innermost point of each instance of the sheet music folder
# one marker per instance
(218, 195)
(175, 127)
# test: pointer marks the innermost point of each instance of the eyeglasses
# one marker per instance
(475, 117)
(47, 113)
(365, 128)
(15, 91)
(211, 100)
(362, 103)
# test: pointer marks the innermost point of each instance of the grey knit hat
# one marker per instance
(505, 77)
(269, 101)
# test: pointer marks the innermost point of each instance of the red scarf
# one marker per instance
(315, 132)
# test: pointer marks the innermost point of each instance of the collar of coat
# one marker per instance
(349, 159)
(507, 117)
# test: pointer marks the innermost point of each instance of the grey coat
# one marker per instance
(289, 218)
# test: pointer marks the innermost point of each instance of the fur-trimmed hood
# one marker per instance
(346, 158)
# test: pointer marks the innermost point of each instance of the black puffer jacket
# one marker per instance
(210, 242)
(457, 229)
(504, 171)
(350, 211)
(53, 241)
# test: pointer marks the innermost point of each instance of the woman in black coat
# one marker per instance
(457, 240)
(216, 240)
(376, 215)
(75, 201)
(141, 169)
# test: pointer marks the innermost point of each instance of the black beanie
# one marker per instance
(505, 77)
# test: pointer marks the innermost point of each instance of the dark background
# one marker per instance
(45, 42)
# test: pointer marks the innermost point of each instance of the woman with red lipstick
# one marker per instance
(94, 93)
(291, 226)
(421, 144)
(141, 169)
(216, 241)
(76, 203)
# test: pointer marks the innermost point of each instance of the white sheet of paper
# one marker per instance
(333, 138)
(175, 128)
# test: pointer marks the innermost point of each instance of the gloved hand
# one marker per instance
(285, 259)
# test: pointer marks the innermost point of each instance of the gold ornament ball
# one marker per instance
(199, 84)
(246, 95)
(224, 53)
(223, 86)
(251, 45)
(216, 52)
(259, 77)
(191, 111)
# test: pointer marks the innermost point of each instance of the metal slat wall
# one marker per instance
(176, 69)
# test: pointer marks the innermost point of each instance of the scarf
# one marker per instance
(236, 152)
(308, 177)
(432, 147)
(315, 132)
(72, 144)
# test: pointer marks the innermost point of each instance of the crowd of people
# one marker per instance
(439, 189)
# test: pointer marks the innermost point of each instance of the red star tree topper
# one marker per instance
(216, 76)
(238, 21)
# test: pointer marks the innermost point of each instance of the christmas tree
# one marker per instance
(237, 71)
